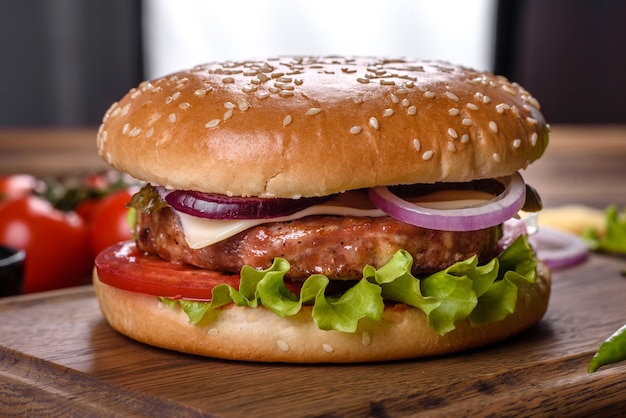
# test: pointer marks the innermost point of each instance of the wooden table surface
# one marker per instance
(58, 356)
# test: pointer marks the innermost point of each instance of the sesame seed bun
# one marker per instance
(259, 335)
(291, 127)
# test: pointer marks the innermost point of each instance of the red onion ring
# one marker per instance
(217, 206)
(493, 212)
(559, 249)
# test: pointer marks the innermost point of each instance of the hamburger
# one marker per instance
(324, 209)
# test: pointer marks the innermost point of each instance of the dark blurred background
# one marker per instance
(63, 62)
(571, 54)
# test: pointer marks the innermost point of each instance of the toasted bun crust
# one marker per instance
(258, 335)
(295, 126)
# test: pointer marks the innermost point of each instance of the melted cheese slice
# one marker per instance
(202, 232)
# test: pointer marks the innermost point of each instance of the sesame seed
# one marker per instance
(357, 99)
(262, 94)
(486, 99)
(125, 109)
(517, 143)
(465, 139)
(363, 80)
(493, 127)
(282, 345)
(134, 132)
(125, 128)
(228, 80)
(429, 94)
(472, 106)
(212, 123)
(243, 105)
(427, 155)
(366, 339)
(229, 105)
(373, 122)
(170, 99)
(228, 114)
(412, 110)
(500, 108)
(496, 157)
(384, 82)
(115, 112)
(355, 130)
(286, 93)
(532, 121)
(172, 118)
(328, 348)
(313, 111)
(150, 132)
(451, 146)
(452, 96)
(262, 77)
(387, 113)
(452, 133)
(402, 91)
(248, 88)
(184, 106)
(416, 144)
(454, 111)
(394, 98)
(509, 89)
(213, 332)
(467, 121)
(533, 139)
(287, 120)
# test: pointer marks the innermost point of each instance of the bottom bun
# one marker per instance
(239, 333)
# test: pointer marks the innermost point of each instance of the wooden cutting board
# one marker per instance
(59, 357)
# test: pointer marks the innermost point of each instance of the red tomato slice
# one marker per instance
(123, 266)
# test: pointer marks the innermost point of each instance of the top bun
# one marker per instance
(299, 126)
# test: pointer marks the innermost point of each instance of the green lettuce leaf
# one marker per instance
(614, 239)
(480, 293)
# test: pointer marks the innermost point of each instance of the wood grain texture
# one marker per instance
(59, 357)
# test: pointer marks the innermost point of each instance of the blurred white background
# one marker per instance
(180, 34)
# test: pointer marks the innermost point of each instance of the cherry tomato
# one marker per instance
(14, 186)
(107, 220)
(57, 252)
(122, 266)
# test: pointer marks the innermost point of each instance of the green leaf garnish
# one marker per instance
(614, 238)
(465, 290)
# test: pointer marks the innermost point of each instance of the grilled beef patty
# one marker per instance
(338, 247)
